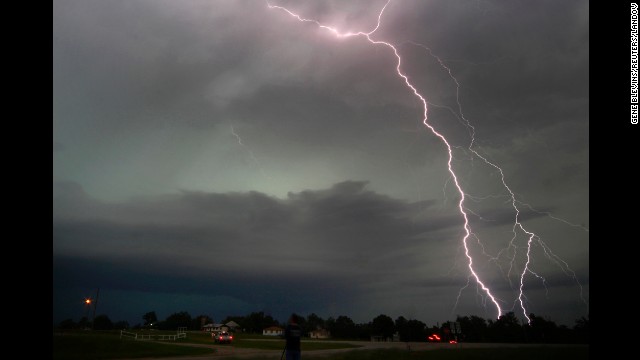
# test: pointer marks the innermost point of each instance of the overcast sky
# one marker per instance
(221, 157)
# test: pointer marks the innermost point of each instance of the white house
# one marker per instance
(273, 331)
(319, 334)
(207, 327)
(215, 327)
(220, 327)
(232, 325)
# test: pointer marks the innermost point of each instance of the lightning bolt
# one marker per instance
(518, 227)
(251, 155)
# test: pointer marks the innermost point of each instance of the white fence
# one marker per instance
(134, 336)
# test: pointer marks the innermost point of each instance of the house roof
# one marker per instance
(232, 324)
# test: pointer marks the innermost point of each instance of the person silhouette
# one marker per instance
(292, 334)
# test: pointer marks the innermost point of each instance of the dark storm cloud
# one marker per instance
(207, 149)
(150, 57)
(216, 293)
(520, 65)
(323, 227)
(145, 276)
(250, 246)
(310, 248)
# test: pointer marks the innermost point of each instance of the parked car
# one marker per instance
(223, 337)
(438, 338)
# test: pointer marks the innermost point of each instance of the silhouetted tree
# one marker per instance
(198, 321)
(540, 330)
(474, 328)
(416, 330)
(150, 318)
(102, 322)
(402, 328)
(382, 325)
(314, 322)
(84, 323)
(506, 329)
(411, 330)
(342, 327)
(581, 330)
(66, 324)
(176, 320)
(121, 325)
(362, 331)
(257, 321)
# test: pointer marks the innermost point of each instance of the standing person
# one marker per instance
(292, 334)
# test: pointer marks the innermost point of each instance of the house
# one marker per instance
(215, 327)
(220, 327)
(319, 334)
(273, 331)
(232, 325)
(207, 327)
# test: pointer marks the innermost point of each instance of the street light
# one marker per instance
(87, 308)
(89, 302)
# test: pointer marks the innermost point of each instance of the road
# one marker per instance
(226, 351)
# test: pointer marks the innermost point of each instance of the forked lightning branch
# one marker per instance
(517, 226)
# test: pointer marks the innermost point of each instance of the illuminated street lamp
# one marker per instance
(89, 302)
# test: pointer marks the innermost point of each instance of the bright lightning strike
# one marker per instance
(518, 227)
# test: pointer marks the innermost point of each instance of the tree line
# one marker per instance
(506, 329)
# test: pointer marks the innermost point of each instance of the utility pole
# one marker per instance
(95, 305)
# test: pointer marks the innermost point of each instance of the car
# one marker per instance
(223, 337)
(437, 338)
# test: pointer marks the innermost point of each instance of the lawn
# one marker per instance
(102, 345)
(108, 345)
(98, 345)
(524, 353)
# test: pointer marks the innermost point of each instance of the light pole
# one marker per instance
(88, 303)
(95, 305)
(87, 307)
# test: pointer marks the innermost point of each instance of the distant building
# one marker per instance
(273, 331)
(215, 327)
(232, 325)
(319, 334)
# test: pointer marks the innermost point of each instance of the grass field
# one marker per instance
(524, 353)
(102, 345)
(98, 345)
